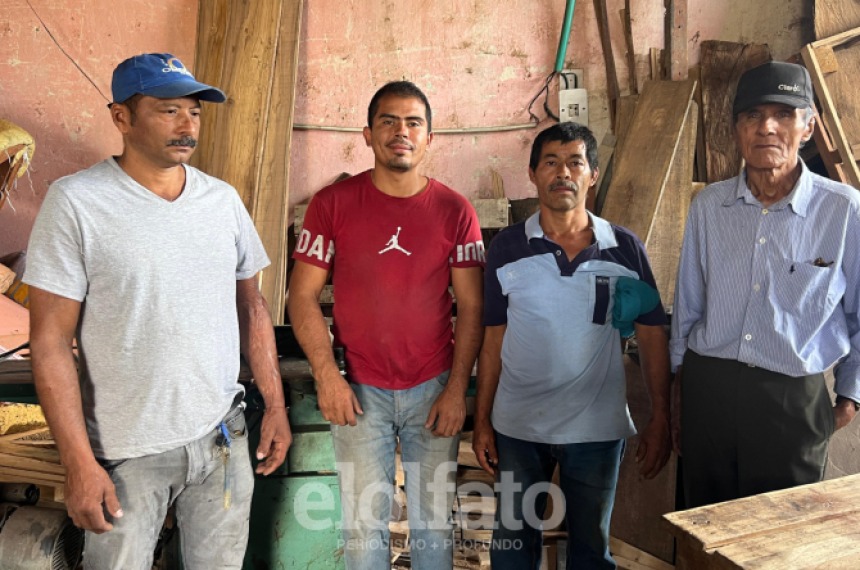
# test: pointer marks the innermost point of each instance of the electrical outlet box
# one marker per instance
(573, 106)
(571, 79)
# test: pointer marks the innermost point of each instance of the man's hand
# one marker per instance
(654, 447)
(843, 413)
(484, 446)
(89, 493)
(275, 440)
(338, 403)
(447, 413)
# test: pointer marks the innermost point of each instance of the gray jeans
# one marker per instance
(191, 477)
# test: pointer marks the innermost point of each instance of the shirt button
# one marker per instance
(558, 253)
(756, 287)
(762, 240)
(764, 212)
(748, 337)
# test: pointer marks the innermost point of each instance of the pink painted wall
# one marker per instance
(479, 61)
(63, 107)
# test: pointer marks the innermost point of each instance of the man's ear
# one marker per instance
(366, 133)
(121, 116)
(809, 130)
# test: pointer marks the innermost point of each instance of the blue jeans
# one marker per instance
(588, 476)
(192, 478)
(365, 460)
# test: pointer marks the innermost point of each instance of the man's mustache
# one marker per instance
(188, 141)
(562, 184)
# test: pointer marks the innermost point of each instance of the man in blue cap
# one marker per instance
(768, 299)
(152, 266)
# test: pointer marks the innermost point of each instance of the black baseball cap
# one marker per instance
(159, 75)
(774, 82)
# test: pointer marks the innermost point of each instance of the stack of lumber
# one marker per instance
(34, 462)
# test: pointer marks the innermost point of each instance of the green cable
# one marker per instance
(565, 36)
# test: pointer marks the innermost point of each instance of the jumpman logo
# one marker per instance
(392, 244)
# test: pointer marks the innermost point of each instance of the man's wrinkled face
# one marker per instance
(769, 135)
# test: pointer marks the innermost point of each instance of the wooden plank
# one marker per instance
(492, 212)
(835, 16)
(826, 150)
(667, 235)
(831, 544)
(619, 548)
(612, 90)
(246, 140)
(605, 152)
(715, 526)
(641, 503)
(722, 64)
(270, 204)
(839, 103)
(627, 24)
(676, 39)
(701, 153)
(657, 69)
(623, 119)
(642, 169)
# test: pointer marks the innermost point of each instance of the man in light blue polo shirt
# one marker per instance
(768, 298)
(551, 382)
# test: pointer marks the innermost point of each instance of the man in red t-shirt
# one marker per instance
(393, 240)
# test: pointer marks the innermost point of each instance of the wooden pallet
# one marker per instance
(833, 64)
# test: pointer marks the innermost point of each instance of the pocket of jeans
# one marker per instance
(110, 465)
(442, 379)
(235, 422)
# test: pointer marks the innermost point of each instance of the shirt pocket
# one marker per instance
(801, 288)
(600, 292)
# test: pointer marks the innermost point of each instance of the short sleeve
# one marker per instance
(469, 246)
(315, 243)
(55, 255)
(251, 255)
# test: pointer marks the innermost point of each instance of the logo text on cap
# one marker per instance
(783, 87)
(175, 66)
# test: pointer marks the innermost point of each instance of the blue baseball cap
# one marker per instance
(159, 75)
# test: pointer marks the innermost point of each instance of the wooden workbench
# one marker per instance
(809, 527)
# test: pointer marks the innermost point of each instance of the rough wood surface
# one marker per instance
(676, 39)
(644, 159)
(612, 89)
(246, 141)
(837, 94)
(667, 234)
(627, 24)
(640, 503)
(835, 16)
(722, 64)
(811, 526)
(623, 118)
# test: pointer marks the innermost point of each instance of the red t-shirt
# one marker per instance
(391, 261)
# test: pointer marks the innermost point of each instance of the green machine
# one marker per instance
(295, 512)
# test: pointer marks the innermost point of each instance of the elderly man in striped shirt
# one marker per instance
(768, 299)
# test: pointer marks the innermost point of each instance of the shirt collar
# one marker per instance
(798, 198)
(604, 235)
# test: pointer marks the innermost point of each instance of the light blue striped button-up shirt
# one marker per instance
(775, 287)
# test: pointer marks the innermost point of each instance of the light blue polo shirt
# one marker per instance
(562, 377)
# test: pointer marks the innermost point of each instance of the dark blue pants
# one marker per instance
(588, 476)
